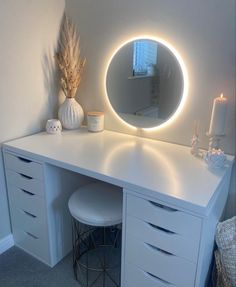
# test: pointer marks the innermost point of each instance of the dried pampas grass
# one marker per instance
(68, 58)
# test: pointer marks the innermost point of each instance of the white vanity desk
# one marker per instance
(171, 201)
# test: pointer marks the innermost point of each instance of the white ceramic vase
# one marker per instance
(71, 114)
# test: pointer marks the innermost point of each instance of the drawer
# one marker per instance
(29, 222)
(37, 247)
(27, 201)
(169, 241)
(27, 183)
(23, 165)
(165, 217)
(136, 277)
(166, 266)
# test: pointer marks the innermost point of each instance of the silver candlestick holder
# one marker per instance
(214, 141)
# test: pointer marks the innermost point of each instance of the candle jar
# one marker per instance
(95, 121)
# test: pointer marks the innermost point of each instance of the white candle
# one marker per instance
(218, 116)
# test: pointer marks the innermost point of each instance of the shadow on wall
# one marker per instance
(51, 82)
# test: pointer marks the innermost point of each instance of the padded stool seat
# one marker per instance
(97, 204)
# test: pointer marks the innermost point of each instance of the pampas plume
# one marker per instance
(68, 58)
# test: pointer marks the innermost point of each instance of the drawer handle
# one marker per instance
(30, 234)
(29, 214)
(158, 279)
(24, 159)
(26, 176)
(27, 192)
(159, 250)
(160, 228)
(163, 206)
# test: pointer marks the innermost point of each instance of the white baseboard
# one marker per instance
(6, 243)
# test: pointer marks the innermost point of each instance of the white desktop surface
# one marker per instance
(161, 170)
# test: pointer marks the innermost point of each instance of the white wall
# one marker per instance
(28, 97)
(202, 31)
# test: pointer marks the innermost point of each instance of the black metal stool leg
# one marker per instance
(93, 251)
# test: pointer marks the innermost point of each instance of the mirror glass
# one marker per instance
(144, 83)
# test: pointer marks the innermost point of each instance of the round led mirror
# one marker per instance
(146, 83)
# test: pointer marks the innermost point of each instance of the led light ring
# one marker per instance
(185, 81)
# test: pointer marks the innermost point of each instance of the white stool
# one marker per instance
(96, 211)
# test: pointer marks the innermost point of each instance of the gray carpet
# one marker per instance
(18, 269)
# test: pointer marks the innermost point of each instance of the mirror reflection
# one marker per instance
(144, 83)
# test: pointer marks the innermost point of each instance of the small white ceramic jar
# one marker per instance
(53, 126)
(95, 121)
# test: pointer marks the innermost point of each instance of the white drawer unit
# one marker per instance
(161, 243)
(27, 205)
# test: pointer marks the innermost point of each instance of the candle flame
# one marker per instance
(222, 96)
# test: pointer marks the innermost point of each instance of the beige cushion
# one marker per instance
(226, 242)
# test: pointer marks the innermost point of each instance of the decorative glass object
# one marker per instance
(215, 158)
(195, 140)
